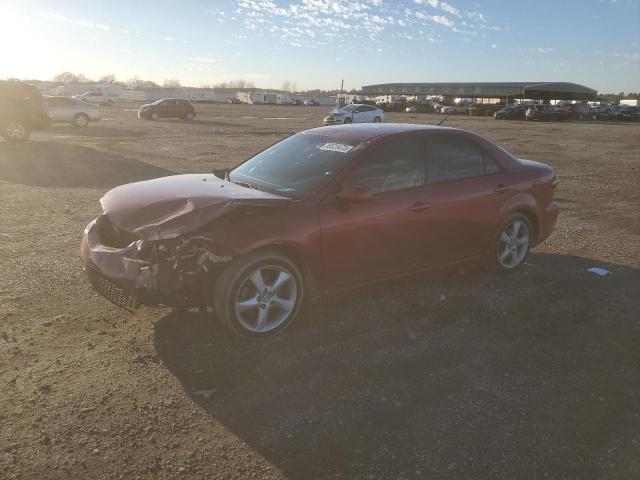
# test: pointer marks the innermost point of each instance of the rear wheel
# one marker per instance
(189, 116)
(513, 243)
(347, 120)
(155, 116)
(259, 294)
(377, 120)
(16, 131)
(81, 120)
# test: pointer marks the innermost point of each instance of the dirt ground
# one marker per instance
(451, 375)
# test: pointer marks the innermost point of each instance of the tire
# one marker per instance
(512, 243)
(377, 120)
(348, 120)
(155, 116)
(594, 117)
(189, 116)
(16, 131)
(81, 120)
(253, 312)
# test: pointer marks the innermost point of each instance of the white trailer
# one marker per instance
(283, 99)
(256, 98)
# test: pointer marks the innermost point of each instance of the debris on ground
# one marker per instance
(599, 271)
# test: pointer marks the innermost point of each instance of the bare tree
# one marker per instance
(82, 78)
(171, 83)
(238, 84)
(66, 77)
(107, 78)
(288, 86)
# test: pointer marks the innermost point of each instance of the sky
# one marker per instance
(317, 43)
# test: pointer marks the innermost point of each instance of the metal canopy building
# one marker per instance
(530, 90)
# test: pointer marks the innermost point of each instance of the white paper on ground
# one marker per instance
(598, 271)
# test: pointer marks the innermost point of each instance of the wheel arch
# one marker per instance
(526, 205)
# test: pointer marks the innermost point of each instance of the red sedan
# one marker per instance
(324, 210)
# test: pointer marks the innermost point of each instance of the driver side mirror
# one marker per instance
(353, 194)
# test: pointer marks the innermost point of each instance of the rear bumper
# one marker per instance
(548, 219)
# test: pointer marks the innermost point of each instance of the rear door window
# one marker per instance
(452, 157)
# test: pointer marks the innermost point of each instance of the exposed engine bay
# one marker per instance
(170, 272)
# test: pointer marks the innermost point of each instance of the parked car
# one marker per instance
(70, 110)
(611, 113)
(168, 108)
(628, 112)
(511, 112)
(354, 113)
(487, 109)
(96, 98)
(545, 113)
(453, 109)
(22, 111)
(322, 211)
(580, 111)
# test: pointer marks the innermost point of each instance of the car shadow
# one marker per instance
(459, 375)
(92, 131)
(200, 122)
(52, 164)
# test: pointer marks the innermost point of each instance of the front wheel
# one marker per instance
(16, 131)
(81, 120)
(377, 120)
(259, 294)
(155, 116)
(347, 120)
(513, 243)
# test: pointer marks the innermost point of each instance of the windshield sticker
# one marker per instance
(336, 147)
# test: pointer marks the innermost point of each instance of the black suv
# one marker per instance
(167, 108)
(22, 111)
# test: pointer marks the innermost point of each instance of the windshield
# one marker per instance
(297, 166)
(348, 108)
(158, 102)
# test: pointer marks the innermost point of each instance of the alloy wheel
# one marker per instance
(266, 298)
(82, 121)
(513, 244)
(16, 131)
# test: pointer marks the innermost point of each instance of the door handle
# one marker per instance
(502, 188)
(419, 207)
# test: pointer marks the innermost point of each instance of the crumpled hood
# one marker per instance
(169, 207)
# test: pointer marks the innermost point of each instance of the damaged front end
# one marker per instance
(129, 271)
(146, 247)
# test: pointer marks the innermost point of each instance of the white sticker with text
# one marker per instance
(336, 147)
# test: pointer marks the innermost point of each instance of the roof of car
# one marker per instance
(366, 131)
